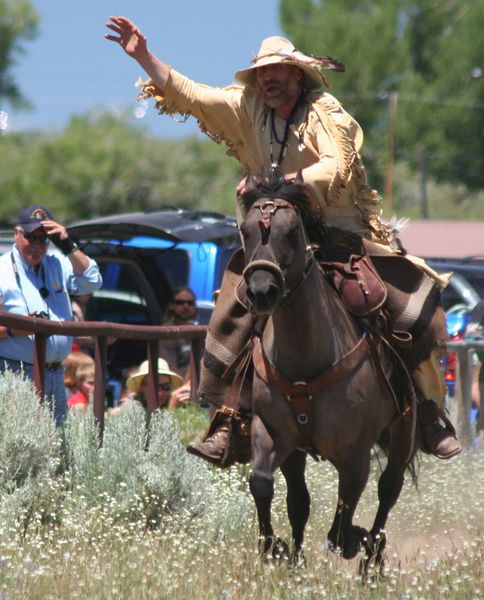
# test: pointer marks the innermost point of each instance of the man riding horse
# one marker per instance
(278, 117)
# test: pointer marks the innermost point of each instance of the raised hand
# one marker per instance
(129, 37)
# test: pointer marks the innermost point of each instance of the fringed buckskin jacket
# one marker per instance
(324, 142)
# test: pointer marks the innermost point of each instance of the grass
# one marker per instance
(123, 522)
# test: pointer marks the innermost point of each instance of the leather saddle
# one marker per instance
(361, 288)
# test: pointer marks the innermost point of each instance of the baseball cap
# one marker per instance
(31, 218)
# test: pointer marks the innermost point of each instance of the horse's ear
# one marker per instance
(299, 178)
(250, 183)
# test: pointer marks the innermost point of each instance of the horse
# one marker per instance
(317, 388)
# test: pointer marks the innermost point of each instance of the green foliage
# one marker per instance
(141, 473)
(101, 165)
(29, 454)
(429, 53)
(18, 22)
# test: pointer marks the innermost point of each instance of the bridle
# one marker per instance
(268, 208)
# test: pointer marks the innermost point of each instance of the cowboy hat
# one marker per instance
(277, 49)
(134, 382)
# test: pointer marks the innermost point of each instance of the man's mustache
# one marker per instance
(271, 83)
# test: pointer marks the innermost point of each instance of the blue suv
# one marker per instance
(144, 256)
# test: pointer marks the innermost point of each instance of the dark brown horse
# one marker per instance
(316, 387)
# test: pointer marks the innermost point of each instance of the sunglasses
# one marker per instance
(166, 387)
(40, 238)
(181, 302)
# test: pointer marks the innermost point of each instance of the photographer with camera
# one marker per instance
(35, 283)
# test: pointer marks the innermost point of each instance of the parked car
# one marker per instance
(466, 286)
(143, 257)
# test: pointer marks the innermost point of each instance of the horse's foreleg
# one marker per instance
(265, 461)
(353, 476)
(298, 500)
(262, 489)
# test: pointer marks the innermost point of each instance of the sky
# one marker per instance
(70, 68)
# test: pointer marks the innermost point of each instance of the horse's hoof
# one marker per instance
(280, 550)
(371, 570)
(373, 566)
(352, 545)
(351, 549)
(298, 559)
(275, 549)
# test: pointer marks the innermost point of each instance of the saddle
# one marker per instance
(358, 283)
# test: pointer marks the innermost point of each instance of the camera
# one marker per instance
(40, 314)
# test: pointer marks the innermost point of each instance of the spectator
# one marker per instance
(182, 311)
(73, 362)
(84, 388)
(85, 343)
(35, 283)
(168, 381)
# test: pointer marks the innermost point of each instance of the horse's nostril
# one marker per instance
(272, 294)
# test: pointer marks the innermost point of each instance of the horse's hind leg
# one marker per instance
(353, 476)
(298, 500)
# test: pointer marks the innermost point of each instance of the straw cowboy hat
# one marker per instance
(134, 382)
(277, 49)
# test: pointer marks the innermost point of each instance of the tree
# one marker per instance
(101, 165)
(18, 22)
(427, 51)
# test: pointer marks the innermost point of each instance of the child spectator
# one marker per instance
(72, 362)
(84, 383)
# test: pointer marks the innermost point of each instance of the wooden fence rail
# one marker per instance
(101, 331)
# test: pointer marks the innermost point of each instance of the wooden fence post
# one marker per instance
(100, 354)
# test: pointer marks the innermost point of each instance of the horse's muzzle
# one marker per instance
(265, 286)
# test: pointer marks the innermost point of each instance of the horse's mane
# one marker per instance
(332, 241)
(276, 187)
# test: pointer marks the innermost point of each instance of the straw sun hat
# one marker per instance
(134, 382)
(277, 49)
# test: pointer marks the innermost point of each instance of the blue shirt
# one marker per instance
(20, 294)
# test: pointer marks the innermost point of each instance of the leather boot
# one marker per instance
(437, 439)
(214, 446)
